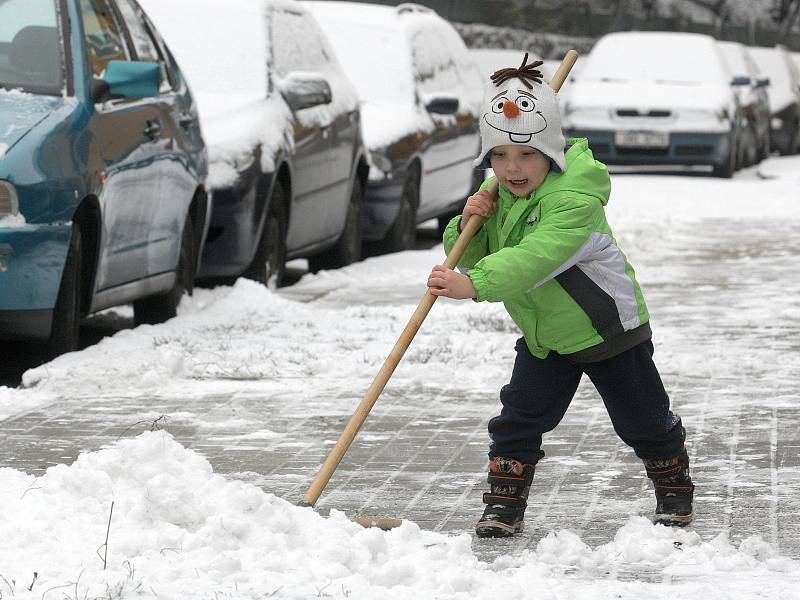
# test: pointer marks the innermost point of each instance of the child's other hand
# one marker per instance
(480, 203)
(446, 282)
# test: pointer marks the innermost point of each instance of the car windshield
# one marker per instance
(30, 46)
(651, 57)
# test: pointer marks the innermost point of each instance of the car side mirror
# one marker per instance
(741, 80)
(764, 82)
(441, 104)
(127, 79)
(305, 90)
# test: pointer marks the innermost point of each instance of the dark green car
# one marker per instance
(102, 169)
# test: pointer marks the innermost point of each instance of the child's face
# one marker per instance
(521, 169)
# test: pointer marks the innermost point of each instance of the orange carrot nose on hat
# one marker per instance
(510, 109)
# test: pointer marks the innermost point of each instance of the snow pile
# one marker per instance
(177, 530)
(12, 221)
(246, 337)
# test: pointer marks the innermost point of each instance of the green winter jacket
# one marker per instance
(552, 260)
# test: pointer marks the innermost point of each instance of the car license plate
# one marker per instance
(642, 139)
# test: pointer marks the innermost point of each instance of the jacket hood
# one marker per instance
(583, 174)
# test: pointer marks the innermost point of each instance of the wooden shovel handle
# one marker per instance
(404, 341)
(389, 365)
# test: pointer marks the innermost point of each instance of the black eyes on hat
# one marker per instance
(525, 104)
(498, 104)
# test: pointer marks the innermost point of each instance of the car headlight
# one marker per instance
(776, 123)
(382, 162)
(9, 204)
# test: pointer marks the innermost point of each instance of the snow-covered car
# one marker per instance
(281, 120)
(656, 98)
(420, 98)
(784, 96)
(102, 169)
(751, 88)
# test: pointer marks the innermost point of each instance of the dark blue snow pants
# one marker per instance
(540, 390)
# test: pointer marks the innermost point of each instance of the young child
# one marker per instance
(547, 252)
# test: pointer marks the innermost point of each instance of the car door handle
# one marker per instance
(153, 129)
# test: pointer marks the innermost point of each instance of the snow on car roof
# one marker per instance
(383, 49)
(773, 63)
(669, 57)
(224, 56)
(206, 37)
(370, 42)
(733, 54)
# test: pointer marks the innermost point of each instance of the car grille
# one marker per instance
(653, 114)
(693, 150)
(621, 151)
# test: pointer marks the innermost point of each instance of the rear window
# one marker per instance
(664, 58)
(31, 56)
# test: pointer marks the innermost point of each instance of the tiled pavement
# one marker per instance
(411, 461)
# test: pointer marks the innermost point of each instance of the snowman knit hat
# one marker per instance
(519, 109)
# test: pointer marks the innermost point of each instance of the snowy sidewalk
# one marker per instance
(264, 398)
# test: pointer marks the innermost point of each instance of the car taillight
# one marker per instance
(9, 204)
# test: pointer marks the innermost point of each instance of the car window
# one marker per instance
(104, 41)
(30, 46)
(144, 45)
(296, 44)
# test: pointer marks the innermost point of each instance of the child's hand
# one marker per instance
(480, 203)
(446, 282)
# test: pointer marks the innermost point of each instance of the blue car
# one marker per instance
(102, 169)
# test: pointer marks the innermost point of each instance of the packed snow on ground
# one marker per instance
(178, 530)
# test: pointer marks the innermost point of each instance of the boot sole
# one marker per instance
(486, 529)
(674, 520)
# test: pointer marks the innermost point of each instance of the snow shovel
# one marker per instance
(415, 322)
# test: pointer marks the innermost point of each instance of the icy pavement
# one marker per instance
(261, 385)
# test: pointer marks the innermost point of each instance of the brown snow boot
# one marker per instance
(674, 489)
(510, 482)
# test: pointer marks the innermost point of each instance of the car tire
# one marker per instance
(67, 310)
(347, 249)
(726, 169)
(160, 308)
(764, 150)
(403, 233)
(793, 139)
(269, 264)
